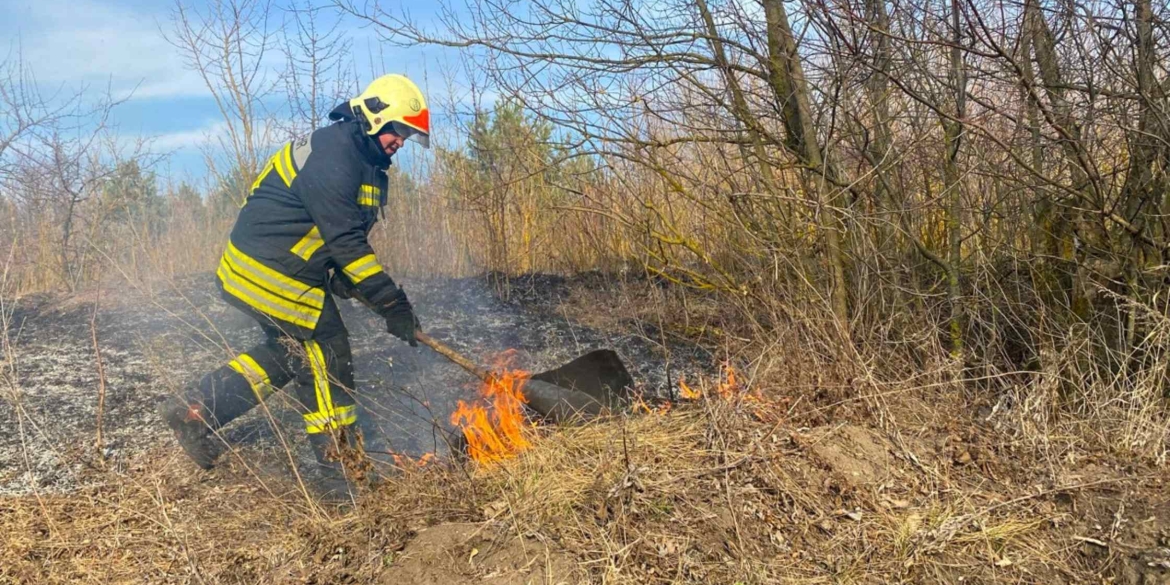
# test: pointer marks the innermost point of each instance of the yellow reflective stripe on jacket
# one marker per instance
(343, 416)
(362, 268)
(284, 164)
(288, 164)
(370, 195)
(255, 375)
(264, 301)
(308, 245)
(277, 283)
(260, 178)
(278, 163)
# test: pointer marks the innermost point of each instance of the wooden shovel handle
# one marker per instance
(456, 357)
(553, 402)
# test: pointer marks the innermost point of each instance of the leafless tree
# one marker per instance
(27, 110)
(641, 85)
(231, 45)
(318, 65)
(57, 150)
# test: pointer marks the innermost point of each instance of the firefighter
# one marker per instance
(301, 238)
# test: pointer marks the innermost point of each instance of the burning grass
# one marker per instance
(495, 426)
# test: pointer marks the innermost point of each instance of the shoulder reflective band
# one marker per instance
(284, 164)
(370, 195)
(260, 178)
(308, 245)
(362, 268)
(255, 375)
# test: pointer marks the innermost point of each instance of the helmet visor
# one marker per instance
(408, 133)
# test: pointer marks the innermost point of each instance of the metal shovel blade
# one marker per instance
(583, 388)
(599, 374)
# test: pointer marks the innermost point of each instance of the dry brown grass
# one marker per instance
(707, 493)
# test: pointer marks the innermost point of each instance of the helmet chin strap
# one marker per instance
(361, 119)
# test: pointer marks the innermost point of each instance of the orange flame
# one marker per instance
(730, 389)
(662, 408)
(729, 386)
(727, 389)
(405, 462)
(495, 426)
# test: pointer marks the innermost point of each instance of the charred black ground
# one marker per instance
(154, 342)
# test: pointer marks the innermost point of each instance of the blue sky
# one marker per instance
(120, 44)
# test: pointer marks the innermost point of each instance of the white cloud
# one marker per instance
(214, 133)
(183, 139)
(99, 43)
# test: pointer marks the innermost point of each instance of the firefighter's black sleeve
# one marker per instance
(328, 186)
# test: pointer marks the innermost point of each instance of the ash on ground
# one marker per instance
(157, 342)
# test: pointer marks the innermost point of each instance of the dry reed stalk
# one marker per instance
(97, 352)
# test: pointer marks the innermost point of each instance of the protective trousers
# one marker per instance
(322, 365)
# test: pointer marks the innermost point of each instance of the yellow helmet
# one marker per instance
(394, 100)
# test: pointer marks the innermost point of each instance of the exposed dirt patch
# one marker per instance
(454, 554)
(1117, 524)
(857, 455)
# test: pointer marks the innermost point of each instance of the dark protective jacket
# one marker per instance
(309, 211)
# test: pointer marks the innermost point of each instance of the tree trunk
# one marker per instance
(953, 136)
(887, 200)
(786, 77)
(739, 104)
(1066, 221)
(1137, 192)
(878, 92)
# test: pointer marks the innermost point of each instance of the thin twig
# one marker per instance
(101, 370)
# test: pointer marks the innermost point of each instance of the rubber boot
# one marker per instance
(219, 398)
(189, 422)
(339, 464)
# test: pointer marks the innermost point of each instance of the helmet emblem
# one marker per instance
(378, 120)
(415, 104)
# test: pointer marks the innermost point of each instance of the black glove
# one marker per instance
(400, 319)
(340, 286)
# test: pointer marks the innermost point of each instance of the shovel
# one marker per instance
(584, 388)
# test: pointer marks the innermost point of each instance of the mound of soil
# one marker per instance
(857, 455)
(455, 554)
